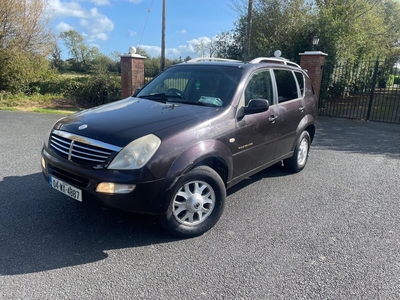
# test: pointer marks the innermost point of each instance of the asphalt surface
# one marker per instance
(329, 232)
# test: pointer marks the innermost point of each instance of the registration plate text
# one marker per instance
(66, 188)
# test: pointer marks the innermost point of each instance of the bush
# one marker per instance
(96, 90)
(86, 91)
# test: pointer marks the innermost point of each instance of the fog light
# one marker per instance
(43, 163)
(115, 188)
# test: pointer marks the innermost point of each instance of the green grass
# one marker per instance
(8, 108)
(49, 103)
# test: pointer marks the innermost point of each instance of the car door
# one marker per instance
(254, 141)
(291, 107)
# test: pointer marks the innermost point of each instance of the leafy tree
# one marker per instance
(24, 25)
(25, 41)
(81, 53)
(348, 29)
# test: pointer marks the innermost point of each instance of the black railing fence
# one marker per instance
(367, 90)
(150, 73)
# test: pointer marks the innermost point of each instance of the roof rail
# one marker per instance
(283, 61)
(197, 59)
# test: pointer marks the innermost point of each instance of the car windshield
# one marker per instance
(194, 84)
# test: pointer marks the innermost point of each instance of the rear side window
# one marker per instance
(286, 85)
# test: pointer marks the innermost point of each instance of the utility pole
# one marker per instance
(163, 36)
(248, 31)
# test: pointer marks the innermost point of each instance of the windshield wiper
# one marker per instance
(161, 96)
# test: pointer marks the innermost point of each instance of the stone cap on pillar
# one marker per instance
(132, 53)
(313, 53)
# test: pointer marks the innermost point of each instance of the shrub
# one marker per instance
(86, 91)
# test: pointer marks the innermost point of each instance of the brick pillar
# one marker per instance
(132, 72)
(313, 62)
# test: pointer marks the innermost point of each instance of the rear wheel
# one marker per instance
(196, 204)
(300, 155)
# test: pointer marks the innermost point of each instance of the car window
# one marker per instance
(286, 85)
(300, 81)
(202, 85)
(259, 87)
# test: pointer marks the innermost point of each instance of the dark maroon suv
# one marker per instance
(191, 133)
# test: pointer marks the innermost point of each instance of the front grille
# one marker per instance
(80, 149)
(68, 177)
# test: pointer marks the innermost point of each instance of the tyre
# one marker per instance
(300, 155)
(196, 203)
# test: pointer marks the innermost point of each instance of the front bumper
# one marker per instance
(147, 197)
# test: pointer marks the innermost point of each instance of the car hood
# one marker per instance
(121, 122)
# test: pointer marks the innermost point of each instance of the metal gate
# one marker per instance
(365, 90)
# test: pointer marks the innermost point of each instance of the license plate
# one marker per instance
(65, 188)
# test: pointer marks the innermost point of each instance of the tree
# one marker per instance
(348, 29)
(25, 26)
(205, 47)
(276, 24)
(81, 53)
(25, 41)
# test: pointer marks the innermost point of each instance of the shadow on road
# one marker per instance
(41, 229)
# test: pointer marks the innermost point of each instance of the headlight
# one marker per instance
(136, 154)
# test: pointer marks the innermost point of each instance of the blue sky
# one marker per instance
(115, 25)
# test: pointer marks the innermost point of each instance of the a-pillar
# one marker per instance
(313, 62)
(132, 72)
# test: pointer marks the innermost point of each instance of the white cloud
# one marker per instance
(182, 51)
(62, 26)
(95, 25)
(66, 9)
(132, 33)
(100, 2)
(135, 1)
(183, 31)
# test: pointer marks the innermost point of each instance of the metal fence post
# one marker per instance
(371, 95)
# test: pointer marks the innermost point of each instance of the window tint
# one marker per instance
(286, 84)
(259, 87)
(300, 81)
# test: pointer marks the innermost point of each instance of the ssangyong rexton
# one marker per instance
(191, 133)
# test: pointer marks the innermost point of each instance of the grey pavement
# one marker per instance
(331, 231)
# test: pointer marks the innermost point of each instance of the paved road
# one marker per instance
(329, 232)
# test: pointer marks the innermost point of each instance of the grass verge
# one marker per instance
(48, 104)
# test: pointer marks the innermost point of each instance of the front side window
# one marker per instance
(259, 87)
(286, 85)
(199, 85)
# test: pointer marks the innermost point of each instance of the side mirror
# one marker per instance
(255, 106)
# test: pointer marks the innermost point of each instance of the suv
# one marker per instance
(194, 131)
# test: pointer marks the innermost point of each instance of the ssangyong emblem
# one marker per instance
(84, 126)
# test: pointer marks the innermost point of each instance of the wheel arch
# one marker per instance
(306, 124)
(212, 153)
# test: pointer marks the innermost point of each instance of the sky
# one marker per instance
(116, 25)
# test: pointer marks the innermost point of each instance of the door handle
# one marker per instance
(301, 108)
(272, 118)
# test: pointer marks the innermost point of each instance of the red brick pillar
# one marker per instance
(313, 62)
(132, 72)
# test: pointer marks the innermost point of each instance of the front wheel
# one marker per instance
(196, 204)
(300, 155)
